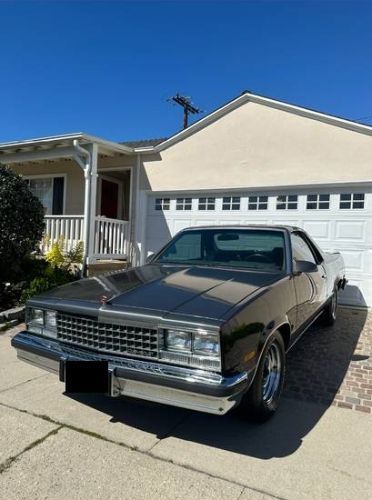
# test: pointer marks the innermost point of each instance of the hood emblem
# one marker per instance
(103, 299)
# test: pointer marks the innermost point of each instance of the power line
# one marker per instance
(367, 117)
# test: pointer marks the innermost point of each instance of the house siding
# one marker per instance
(260, 146)
(74, 184)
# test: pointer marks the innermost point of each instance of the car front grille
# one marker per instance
(107, 337)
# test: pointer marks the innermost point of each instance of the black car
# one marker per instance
(205, 324)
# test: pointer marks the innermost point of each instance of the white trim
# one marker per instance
(120, 193)
(274, 188)
(52, 176)
(51, 140)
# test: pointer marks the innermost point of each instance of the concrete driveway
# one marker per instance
(54, 446)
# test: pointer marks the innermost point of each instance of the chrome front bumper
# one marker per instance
(187, 388)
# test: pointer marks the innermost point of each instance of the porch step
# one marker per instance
(105, 266)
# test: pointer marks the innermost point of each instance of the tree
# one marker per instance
(21, 222)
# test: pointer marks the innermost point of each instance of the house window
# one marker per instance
(286, 202)
(317, 202)
(257, 202)
(183, 204)
(50, 191)
(231, 203)
(162, 204)
(352, 200)
(207, 203)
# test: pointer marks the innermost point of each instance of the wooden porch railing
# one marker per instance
(68, 227)
(111, 238)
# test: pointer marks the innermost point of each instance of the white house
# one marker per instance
(254, 159)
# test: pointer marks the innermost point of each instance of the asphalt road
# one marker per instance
(55, 447)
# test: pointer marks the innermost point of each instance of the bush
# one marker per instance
(21, 223)
(50, 277)
(57, 256)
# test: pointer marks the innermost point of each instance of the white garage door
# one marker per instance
(339, 220)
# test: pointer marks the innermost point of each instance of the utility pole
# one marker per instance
(188, 107)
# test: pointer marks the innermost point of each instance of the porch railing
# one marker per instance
(110, 239)
(68, 227)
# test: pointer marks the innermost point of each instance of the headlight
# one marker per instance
(178, 341)
(50, 319)
(206, 343)
(198, 349)
(36, 316)
(43, 322)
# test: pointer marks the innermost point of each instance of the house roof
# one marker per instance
(40, 148)
(144, 143)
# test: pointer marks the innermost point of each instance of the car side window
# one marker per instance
(301, 249)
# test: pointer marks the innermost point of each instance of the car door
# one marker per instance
(310, 287)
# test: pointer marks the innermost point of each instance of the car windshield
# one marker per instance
(259, 249)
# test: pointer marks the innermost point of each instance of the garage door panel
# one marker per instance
(318, 229)
(350, 230)
(180, 224)
(204, 222)
(353, 259)
(287, 222)
(358, 292)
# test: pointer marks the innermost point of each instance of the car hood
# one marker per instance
(207, 292)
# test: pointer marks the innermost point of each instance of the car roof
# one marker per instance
(246, 226)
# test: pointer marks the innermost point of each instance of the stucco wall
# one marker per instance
(256, 145)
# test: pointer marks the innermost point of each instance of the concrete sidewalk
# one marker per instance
(54, 446)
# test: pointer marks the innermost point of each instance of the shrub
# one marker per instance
(21, 222)
(54, 255)
(51, 277)
(65, 260)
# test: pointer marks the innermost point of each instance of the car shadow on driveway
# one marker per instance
(316, 368)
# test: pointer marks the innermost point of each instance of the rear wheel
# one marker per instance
(262, 399)
(330, 311)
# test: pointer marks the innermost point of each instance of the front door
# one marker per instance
(109, 199)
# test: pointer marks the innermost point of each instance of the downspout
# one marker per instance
(137, 243)
(86, 166)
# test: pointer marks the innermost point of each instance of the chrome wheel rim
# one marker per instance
(272, 373)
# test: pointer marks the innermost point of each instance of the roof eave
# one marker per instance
(80, 136)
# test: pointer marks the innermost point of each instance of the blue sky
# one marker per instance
(107, 68)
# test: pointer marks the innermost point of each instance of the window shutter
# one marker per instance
(58, 189)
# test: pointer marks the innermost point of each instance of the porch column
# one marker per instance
(85, 164)
(91, 250)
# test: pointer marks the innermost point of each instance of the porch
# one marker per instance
(110, 238)
(88, 189)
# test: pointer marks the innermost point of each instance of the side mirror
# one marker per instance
(149, 257)
(304, 266)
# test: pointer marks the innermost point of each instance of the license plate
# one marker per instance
(87, 376)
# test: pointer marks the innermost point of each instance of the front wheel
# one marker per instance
(262, 399)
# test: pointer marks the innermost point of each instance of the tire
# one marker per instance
(330, 311)
(262, 399)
